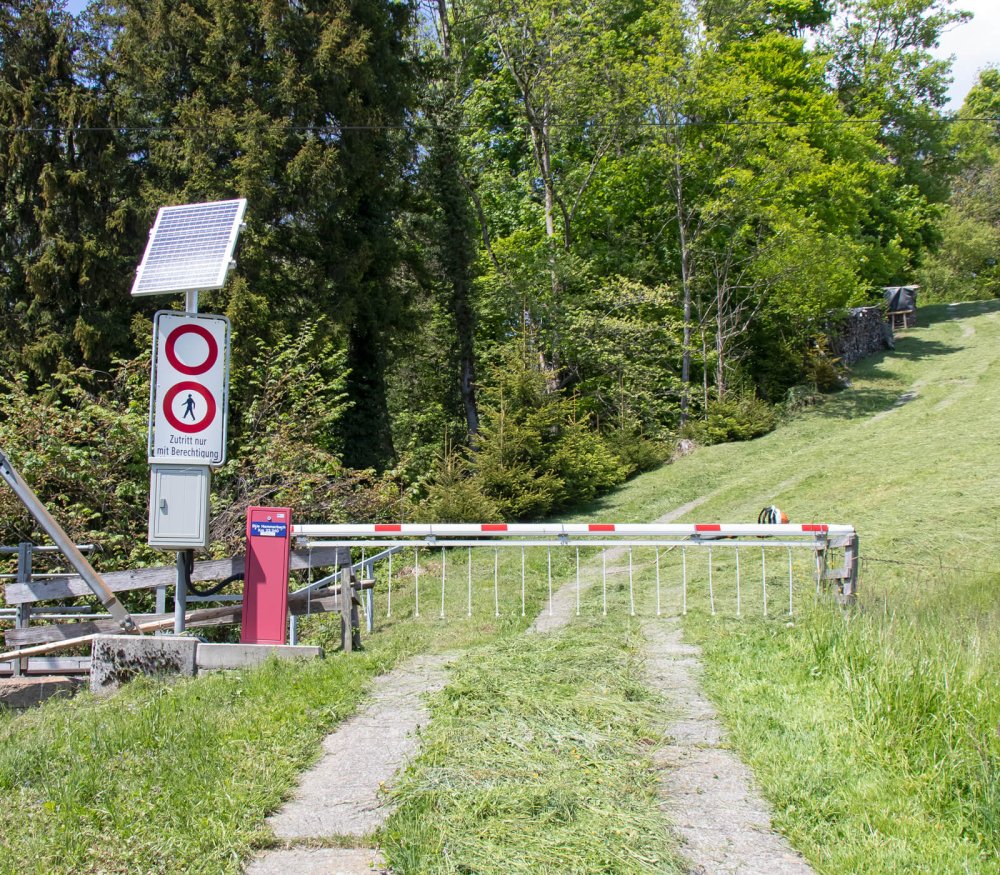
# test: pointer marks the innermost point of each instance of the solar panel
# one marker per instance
(190, 248)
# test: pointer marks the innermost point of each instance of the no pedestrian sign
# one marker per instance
(190, 389)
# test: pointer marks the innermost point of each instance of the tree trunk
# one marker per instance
(682, 231)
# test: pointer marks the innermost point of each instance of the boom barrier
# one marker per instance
(426, 551)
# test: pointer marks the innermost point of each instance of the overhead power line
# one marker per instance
(590, 123)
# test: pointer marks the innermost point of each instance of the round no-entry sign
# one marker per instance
(189, 389)
(191, 349)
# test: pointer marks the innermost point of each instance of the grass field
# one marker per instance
(875, 734)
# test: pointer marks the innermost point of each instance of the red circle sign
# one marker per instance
(171, 352)
(180, 425)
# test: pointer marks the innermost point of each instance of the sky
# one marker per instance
(974, 45)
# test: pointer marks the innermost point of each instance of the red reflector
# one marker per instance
(493, 527)
(812, 527)
(387, 527)
(601, 527)
(708, 527)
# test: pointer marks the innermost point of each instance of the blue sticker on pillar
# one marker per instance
(269, 530)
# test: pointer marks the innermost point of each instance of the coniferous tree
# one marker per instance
(301, 108)
(66, 221)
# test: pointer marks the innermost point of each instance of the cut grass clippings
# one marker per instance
(536, 760)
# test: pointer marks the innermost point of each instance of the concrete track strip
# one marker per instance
(341, 795)
(723, 823)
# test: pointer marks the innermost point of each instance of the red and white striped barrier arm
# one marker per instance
(636, 530)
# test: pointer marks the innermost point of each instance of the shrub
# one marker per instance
(736, 418)
(584, 463)
(635, 451)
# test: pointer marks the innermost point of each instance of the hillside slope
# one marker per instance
(873, 733)
(876, 735)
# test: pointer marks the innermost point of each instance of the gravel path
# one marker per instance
(705, 790)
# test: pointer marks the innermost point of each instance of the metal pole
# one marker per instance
(737, 581)
(711, 591)
(578, 581)
(631, 590)
(684, 581)
(657, 581)
(549, 559)
(444, 573)
(604, 583)
(180, 592)
(370, 602)
(68, 548)
(416, 581)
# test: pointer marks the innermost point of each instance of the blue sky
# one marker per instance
(974, 45)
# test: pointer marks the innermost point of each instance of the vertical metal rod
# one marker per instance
(496, 581)
(711, 591)
(293, 629)
(388, 601)
(819, 575)
(522, 581)
(763, 577)
(346, 610)
(737, 581)
(469, 608)
(416, 580)
(684, 580)
(657, 581)
(180, 593)
(631, 588)
(578, 581)
(604, 581)
(444, 562)
(549, 557)
(369, 600)
(789, 581)
(366, 574)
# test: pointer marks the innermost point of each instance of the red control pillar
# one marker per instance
(265, 584)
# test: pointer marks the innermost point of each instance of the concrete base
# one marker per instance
(117, 659)
(216, 657)
(28, 692)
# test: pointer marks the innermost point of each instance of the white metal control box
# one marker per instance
(178, 506)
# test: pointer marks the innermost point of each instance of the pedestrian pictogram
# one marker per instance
(190, 388)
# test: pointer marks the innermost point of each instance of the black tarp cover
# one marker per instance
(901, 298)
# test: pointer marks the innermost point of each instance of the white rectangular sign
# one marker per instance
(189, 392)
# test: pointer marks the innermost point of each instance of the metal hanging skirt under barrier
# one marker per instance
(636, 564)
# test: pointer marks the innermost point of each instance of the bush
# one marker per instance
(584, 464)
(635, 452)
(737, 418)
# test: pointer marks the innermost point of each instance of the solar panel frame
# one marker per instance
(190, 248)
